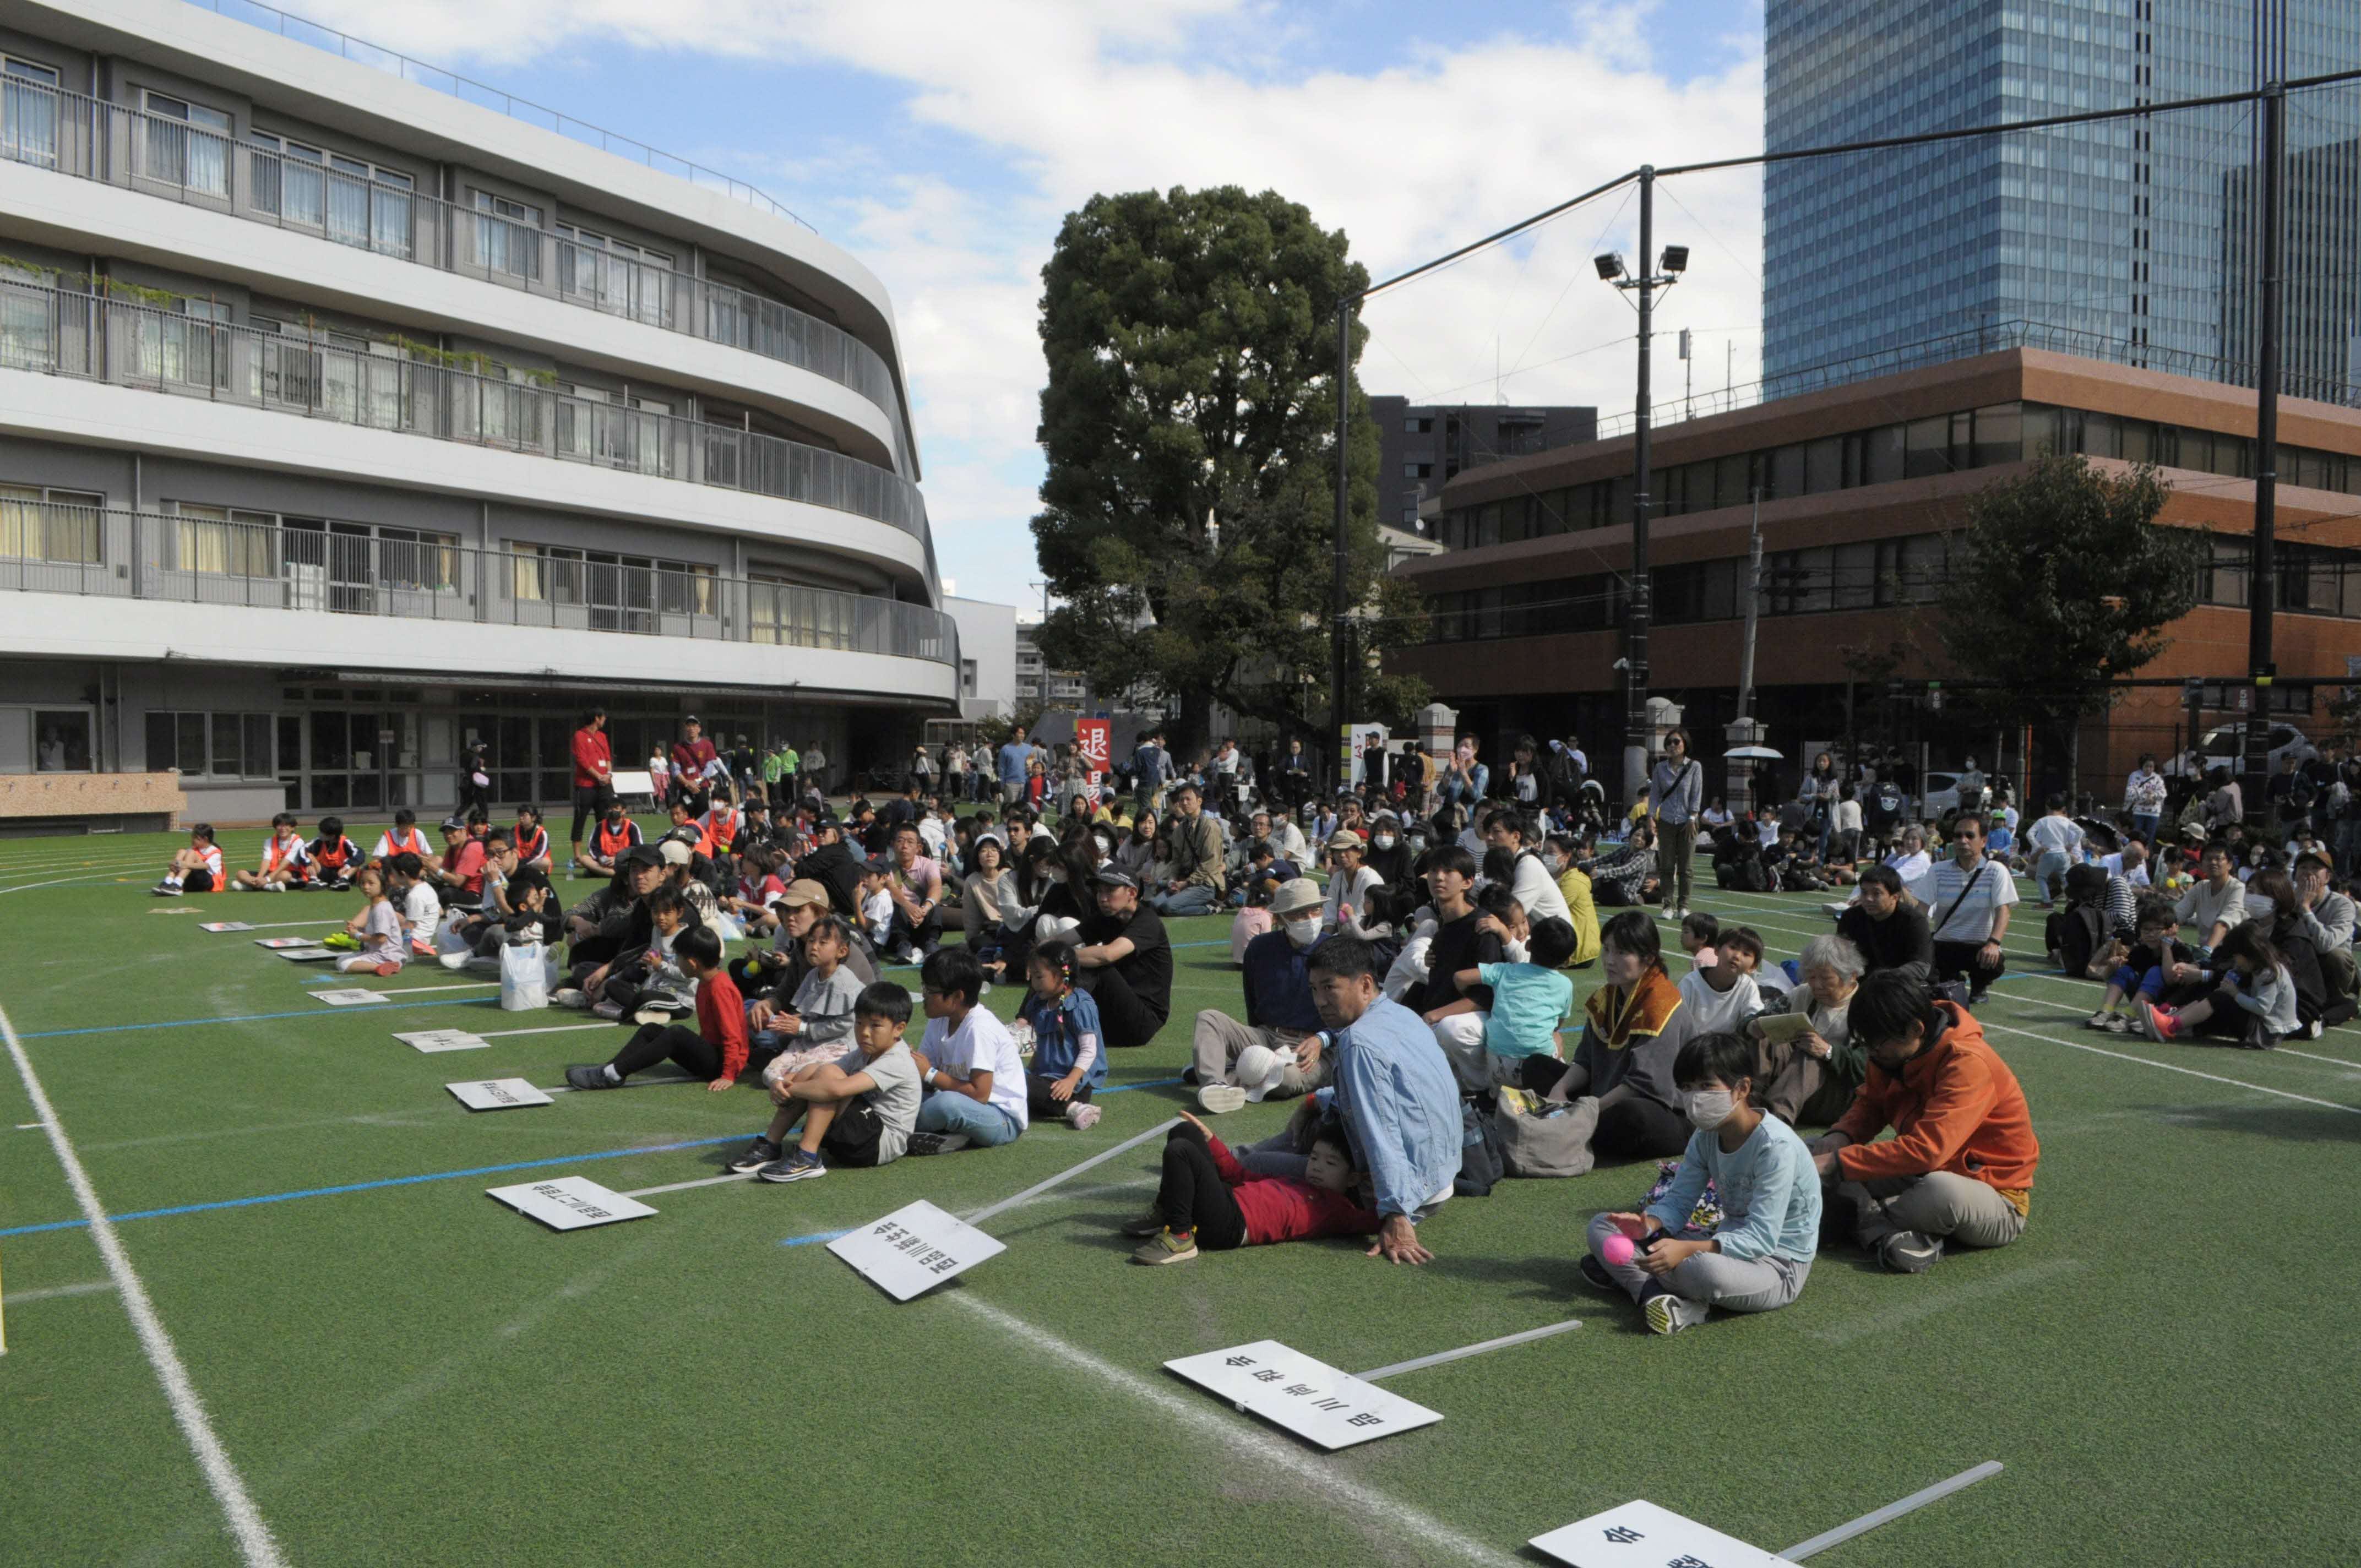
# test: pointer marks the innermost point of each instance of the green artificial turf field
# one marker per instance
(399, 1370)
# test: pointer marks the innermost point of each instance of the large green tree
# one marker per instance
(2061, 584)
(1190, 427)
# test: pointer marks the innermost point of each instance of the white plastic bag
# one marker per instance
(448, 933)
(525, 978)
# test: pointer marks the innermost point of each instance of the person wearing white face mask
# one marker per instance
(1281, 1027)
(1758, 1258)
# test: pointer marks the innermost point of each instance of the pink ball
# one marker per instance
(1617, 1250)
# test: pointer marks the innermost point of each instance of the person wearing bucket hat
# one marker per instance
(1349, 880)
(1280, 1019)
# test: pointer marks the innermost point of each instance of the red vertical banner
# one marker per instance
(1095, 739)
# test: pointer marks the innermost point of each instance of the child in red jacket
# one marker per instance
(1208, 1199)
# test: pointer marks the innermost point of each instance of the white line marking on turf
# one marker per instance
(1895, 1511)
(90, 1287)
(2167, 1067)
(1266, 1453)
(546, 1029)
(1465, 1351)
(61, 882)
(254, 1539)
(1930, 1305)
(981, 1215)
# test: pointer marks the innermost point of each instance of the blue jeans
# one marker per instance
(1194, 899)
(2144, 826)
(2049, 874)
(987, 1126)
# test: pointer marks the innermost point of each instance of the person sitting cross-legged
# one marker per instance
(1960, 1167)
(1760, 1255)
(974, 1080)
(1279, 1015)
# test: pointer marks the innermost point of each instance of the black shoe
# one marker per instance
(937, 1143)
(1910, 1251)
(1189, 1076)
(590, 1077)
(1594, 1274)
(1976, 999)
(758, 1153)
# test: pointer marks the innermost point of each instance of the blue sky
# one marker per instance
(941, 143)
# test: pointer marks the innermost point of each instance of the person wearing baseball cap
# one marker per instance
(769, 978)
(1280, 1023)
(1124, 958)
(834, 866)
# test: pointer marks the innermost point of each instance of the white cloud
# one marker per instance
(1072, 98)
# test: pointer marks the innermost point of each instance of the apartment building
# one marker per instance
(351, 414)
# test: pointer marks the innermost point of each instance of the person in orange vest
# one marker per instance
(531, 840)
(282, 859)
(1959, 1169)
(404, 839)
(197, 869)
(615, 834)
(720, 824)
(331, 857)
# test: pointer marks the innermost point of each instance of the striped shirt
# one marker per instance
(1992, 891)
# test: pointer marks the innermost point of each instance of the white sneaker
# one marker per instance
(1220, 1099)
(1669, 1314)
(455, 962)
(569, 997)
(1082, 1118)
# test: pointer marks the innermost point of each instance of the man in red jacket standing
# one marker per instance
(1960, 1166)
(594, 777)
(690, 755)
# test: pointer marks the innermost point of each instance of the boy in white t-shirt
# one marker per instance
(1721, 995)
(422, 911)
(967, 1061)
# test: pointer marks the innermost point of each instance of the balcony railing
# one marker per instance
(93, 139)
(61, 331)
(49, 547)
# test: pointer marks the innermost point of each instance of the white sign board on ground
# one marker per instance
(226, 925)
(443, 1040)
(1308, 1398)
(497, 1094)
(351, 997)
(914, 1249)
(307, 955)
(277, 944)
(1642, 1535)
(569, 1202)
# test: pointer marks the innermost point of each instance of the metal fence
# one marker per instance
(380, 386)
(348, 203)
(346, 569)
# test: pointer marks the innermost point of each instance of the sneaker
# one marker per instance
(456, 961)
(1148, 1224)
(1910, 1251)
(1220, 1099)
(758, 1153)
(2105, 1023)
(610, 1011)
(165, 889)
(1189, 1077)
(566, 996)
(653, 1015)
(1976, 999)
(590, 1077)
(2119, 1024)
(1164, 1247)
(1669, 1314)
(908, 956)
(274, 887)
(1082, 1118)
(387, 970)
(937, 1143)
(1594, 1274)
(797, 1167)
(2162, 1022)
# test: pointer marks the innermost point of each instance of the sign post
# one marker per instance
(1095, 739)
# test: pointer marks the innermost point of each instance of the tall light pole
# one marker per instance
(1340, 639)
(1675, 261)
(2262, 576)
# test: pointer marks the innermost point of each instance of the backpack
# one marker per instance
(1481, 1162)
(2302, 790)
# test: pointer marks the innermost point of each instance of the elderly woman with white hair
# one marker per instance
(1809, 1071)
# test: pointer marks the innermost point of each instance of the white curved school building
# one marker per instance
(347, 415)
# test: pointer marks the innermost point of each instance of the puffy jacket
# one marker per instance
(1956, 1107)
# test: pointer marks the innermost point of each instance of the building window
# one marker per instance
(1418, 426)
(36, 739)
(614, 275)
(352, 200)
(184, 144)
(1418, 471)
(211, 745)
(47, 524)
(967, 677)
(508, 235)
(29, 112)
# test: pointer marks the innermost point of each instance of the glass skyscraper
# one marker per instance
(2131, 240)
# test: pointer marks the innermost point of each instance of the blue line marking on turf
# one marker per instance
(372, 1186)
(814, 1236)
(1152, 1083)
(251, 1018)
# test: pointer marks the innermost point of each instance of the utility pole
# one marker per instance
(1635, 629)
(1340, 638)
(1754, 601)
(2262, 582)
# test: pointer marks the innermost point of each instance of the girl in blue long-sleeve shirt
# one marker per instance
(1759, 1256)
(1069, 1047)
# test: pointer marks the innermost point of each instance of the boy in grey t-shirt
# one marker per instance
(856, 1111)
